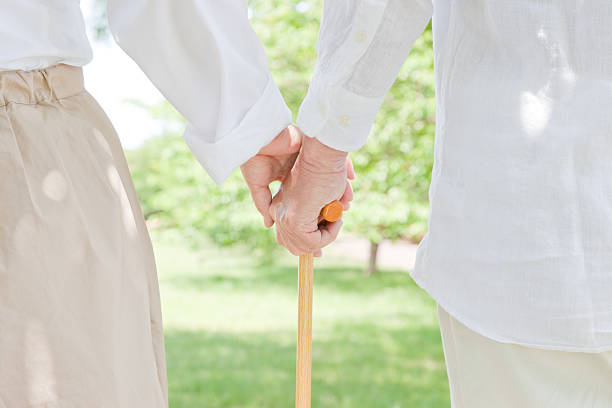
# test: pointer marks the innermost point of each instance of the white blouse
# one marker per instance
(519, 246)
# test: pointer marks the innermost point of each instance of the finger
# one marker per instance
(294, 250)
(272, 147)
(350, 170)
(279, 237)
(323, 236)
(295, 138)
(318, 254)
(329, 233)
(273, 209)
(262, 197)
(297, 244)
(347, 196)
(283, 237)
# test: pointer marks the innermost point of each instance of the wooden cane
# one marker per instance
(330, 213)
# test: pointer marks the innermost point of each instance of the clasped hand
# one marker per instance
(312, 175)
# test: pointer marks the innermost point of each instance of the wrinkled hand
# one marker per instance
(320, 175)
(273, 163)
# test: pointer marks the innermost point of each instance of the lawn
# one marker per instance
(231, 329)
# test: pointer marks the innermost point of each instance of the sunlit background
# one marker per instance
(229, 293)
(114, 79)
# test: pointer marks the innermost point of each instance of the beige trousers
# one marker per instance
(80, 320)
(487, 374)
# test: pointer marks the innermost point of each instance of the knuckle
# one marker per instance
(307, 248)
(311, 248)
(311, 242)
(290, 222)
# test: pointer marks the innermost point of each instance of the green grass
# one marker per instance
(231, 326)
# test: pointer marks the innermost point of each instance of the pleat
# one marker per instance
(80, 317)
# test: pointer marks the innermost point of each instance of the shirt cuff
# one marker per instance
(336, 116)
(262, 123)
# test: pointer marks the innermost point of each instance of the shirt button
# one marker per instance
(361, 36)
(345, 120)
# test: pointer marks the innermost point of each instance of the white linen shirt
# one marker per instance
(519, 246)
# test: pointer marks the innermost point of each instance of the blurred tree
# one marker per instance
(97, 23)
(393, 169)
(177, 195)
(289, 32)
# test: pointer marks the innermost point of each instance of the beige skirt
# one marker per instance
(80, 319)
(484, 373)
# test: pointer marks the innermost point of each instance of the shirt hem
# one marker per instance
(475, 327)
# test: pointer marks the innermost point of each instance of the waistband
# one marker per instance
(32, 87)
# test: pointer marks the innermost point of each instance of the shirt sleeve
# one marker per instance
(205, 58)
(362, 46)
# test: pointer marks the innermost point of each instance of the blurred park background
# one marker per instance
(229, 293)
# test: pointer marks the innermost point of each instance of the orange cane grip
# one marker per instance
(332, 211)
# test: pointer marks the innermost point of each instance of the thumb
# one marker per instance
(277, 207)
(288, 141)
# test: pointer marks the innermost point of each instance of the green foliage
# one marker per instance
(97, 23)
(176, 194)
(289, 32)
(393, 169)
(230, 334)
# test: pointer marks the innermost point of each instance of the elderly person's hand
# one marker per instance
(272, 163)
(320, 175)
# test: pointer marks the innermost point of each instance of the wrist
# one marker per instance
(322, 156)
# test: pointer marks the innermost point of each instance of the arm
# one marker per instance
(362, 46)
(208, 62)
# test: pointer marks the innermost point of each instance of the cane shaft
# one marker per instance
(304, 340)
(330, 213)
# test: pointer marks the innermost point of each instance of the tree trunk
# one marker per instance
(373, 255)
